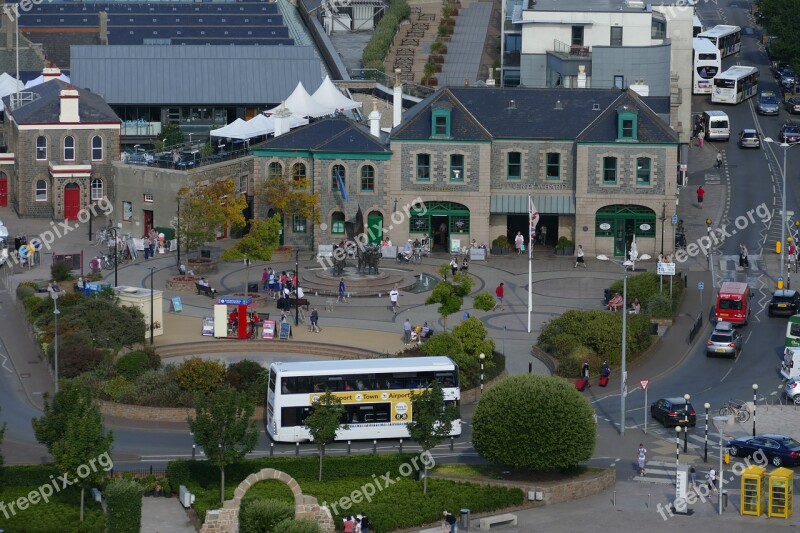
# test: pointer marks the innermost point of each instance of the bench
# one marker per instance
(294, 302)
(487, 522)
(202, 289)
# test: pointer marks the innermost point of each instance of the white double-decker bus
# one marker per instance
(727, 38)
(375, 394)
(697, 26)
(706, 63)
(735, 85)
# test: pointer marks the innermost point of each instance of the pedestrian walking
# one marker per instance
(314, 327)
(579, 259)
(585, 369)
(366, 524)
(393, 296)
(701, 137)
(712, 480)
(701, 194)
(342, 294)
(454, 266)
(407, 332)
(693, 479)
(449, 522)
(719, 160)
(744, 259)
(499, 292)
(265, 280)
(641, 456)
(519, 242)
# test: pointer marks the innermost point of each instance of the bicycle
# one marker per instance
(107, 261)
(102, 237)
(736, 408)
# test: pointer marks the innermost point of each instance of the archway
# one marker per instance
(623, 222)
(226, 520)
(375, 227)
(447, 223)
(72, 201)
(272, 211)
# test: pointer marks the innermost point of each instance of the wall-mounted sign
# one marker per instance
(605, 226)
(645, 227)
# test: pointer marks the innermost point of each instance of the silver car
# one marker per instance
(767, 103)
(724, 340)
(793, 390)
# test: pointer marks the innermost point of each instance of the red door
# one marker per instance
(3, 190)
(72, 201)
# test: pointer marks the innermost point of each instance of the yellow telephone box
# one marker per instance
(754, 490)
(780, 493)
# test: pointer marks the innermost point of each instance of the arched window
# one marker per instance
(69, 148)
(274, 170)
(367, 178)
(41, 148)
(299, 176)
(97, 148)
(41, 190)
(337, 222)
(97, 189)
(338, 172)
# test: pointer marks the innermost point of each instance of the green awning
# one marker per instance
(545, 204)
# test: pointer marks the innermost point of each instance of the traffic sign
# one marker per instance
(644, 383)
(674, 219)
(665, 269)
(700, 285)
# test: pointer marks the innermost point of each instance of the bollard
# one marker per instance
(193, 450)
(271, 449)
(348, 447)
(777, 247)
(530, 367)
(374, 446)
(151, 470)
(401, 445)
(648, 501)
(297, 449)
(614, 499)
(452, 442)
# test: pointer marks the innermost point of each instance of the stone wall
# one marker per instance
(157, 414)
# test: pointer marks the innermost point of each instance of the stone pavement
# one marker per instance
(164, 515)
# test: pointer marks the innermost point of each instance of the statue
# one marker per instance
(368, 259)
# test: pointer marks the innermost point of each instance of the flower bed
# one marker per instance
(182, 283)
(202, 265)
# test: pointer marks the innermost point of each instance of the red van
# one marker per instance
(733, 302)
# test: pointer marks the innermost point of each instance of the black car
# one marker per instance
(779, 449)
(790, 133)
(793, 106)
(784, 303)
(673, 412)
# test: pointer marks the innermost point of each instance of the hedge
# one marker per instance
(647, 285)
(124, 504)
(258, 515)
(378, 46)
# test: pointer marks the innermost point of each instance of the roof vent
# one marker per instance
(512, 105)
(559, 105)
(595, 107)
(635, 3)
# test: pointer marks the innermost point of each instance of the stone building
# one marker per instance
(62, 142)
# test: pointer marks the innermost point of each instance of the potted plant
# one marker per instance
(443, 29)
(437, 47)
(500, 245)
(565, 246)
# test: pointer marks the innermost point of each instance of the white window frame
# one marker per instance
(37, 189)
(44, 148)
(97, 148)
(94, 189)
(67, 138)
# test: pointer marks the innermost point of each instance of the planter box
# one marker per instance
(496, 250)
(439, 60)
(569, 250)
(431, 82)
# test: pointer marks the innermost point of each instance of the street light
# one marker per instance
(482, 357)
(56, 312)
(705, 447)
(710, 258)
(677, 447)
(720, 422)
(755, 390)
(686, 423)
(114, 231)
(152, 324)
(623, 385)
(296, 284)
(785, 147)
(178, 232)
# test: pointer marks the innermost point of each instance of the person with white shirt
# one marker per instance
(393, 296)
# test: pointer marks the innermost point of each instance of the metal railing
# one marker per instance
(185, 156)
(698, 325)
(409, 87)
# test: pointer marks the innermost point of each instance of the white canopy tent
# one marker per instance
(230, 131)
(257, 126)
(330, 96)
(8, 85)
(303, 104)
(40, 80)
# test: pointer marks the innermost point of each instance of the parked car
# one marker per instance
(673, 412)
(778, 69)
(767, 103)
(779, 449)
(787, 79)
(790, 133)
(785, 302)
(749, 139)
(724, 340)
(792, 390)
(793, 105)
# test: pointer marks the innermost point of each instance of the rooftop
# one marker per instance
(43, 105)
(329, 135)
(599, 6)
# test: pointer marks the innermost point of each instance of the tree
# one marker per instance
(450, 295)
(290, 194)
(484, 301)
(72, 429)
(324, 422)
(431, 421)
(206, 209)
(259, 243)
(222, 427)
(2, 434)
(534, 422)
(781, 19)
(170, 135)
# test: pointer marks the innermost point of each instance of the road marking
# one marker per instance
(727, 373)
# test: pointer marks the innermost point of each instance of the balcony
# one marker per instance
(571, 51)
(185, 156)
(140, 128)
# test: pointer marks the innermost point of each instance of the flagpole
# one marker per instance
(530, 264)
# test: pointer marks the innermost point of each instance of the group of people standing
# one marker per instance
(356, 524)
(275, 285)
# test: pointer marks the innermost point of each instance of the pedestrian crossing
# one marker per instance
(730, 270)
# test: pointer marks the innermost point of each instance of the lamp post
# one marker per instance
(482, 357)
(710, 258)
(623, 385)
(720, 422)
(686, 423)
(114, 232)
(56, 312)
(178, 232)
(152, 323)
(296, 284)
(705, 446)
(677, 447)
(755, 390)
(785, 147)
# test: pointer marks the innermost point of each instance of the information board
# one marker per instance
(177, 305)
(268, 329)
(665, 269)
(286, 328)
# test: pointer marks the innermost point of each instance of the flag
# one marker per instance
(342, 188)
(533, 216)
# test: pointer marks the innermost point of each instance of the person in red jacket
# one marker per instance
(701, 193)
(499, 292)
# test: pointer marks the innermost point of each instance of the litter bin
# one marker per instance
(463, 524)
(725, 499)
(205, 253)
(252, 287)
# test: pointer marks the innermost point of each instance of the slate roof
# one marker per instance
(29, 59)
(329, 135)
(45, 107)
(650, 129)
(56, 44)
(483, 113)
(190, 74)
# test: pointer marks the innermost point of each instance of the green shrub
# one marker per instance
(659, 306)
(36, 306)
(258, 515)
(200, 375)
(159, 388)
(378, 46)
(124, 504)
(291, 525)
(76, 359)
(134, 364)
(61, 271)
(534, 422)
(501, 242)
(116, 388)
(644, 286)
(249, 377)
(484, 301)
(25, 291)
(563, 345)
(178, 474)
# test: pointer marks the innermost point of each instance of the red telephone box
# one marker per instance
(239, 315)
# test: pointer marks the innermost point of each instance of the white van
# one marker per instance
(717, 126)
(790, 367)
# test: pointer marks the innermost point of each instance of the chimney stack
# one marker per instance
(103, 27)
(375, 120)
(50, 73)
(397, 104)
(69, 106)
(281, 120)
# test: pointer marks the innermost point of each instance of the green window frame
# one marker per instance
(423, 167)
(419, 223)
(514, 165)
(367, 178)
(627, 124)
(553, 166)
(337, 222)
(440, 122)
(456, 167)
(298, 224)
(627, 128)
(459, 223)
(609, 170)
(274, 170)
(335, 170)
(643, 170)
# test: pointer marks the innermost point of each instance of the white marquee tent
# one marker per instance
(257, 126)
(40, 80)
(329, 96)
(8, 85)
(230, 131)
(303, 104)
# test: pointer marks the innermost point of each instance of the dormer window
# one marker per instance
(440, 120)
(627, 123)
